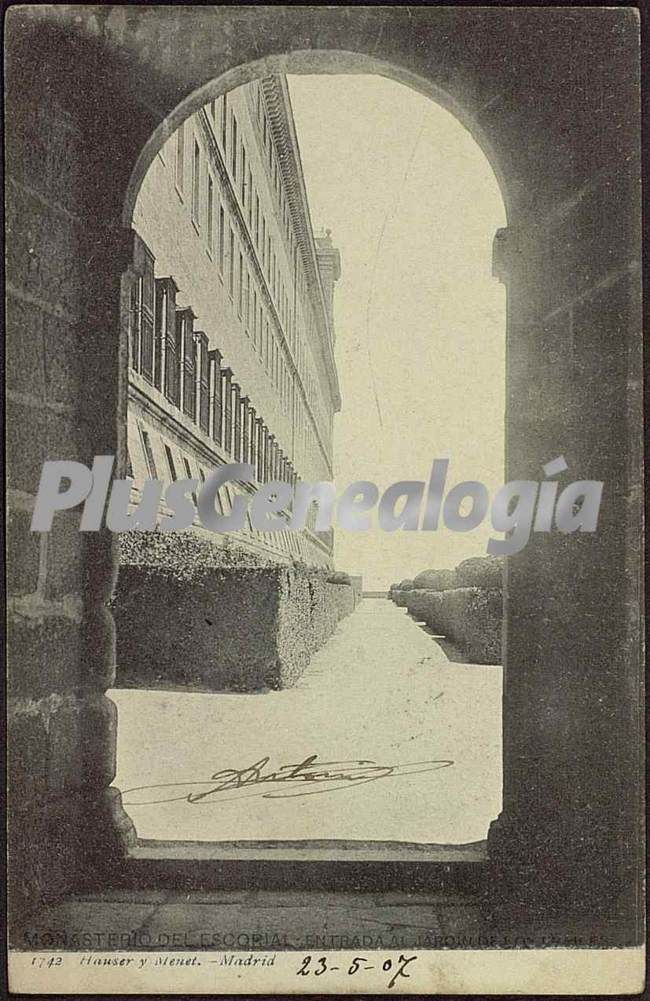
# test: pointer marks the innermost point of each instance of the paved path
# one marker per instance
(382, 690)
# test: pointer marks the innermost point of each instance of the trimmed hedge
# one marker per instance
(471, 617)
(435, 580)
(418, 603)
(229, 629)
(465, 605)
(399, 592)
(481, 571)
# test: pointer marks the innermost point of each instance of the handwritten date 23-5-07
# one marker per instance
(395, 967)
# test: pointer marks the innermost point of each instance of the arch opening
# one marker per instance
(177, 428)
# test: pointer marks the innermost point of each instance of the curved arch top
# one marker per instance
(305, 62)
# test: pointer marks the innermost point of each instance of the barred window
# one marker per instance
(180, 156)
(210, 213)
(240, 285)
(243, 176)
(224, 123)
(231, 264)
(170, 463)
(196, 184)
(222, 237)
(233, 148)
(148, 454)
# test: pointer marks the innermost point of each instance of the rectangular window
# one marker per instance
(224, 124)
(210, 213)
(188, 475)
(247, 300)
(255, 318)
(222, 237)
(231, 265)
(240, 285)
(243, 176)
(148, 454)
(196, 184)
(233, 149)
(170, 463)
(180, 156)
(250, 198)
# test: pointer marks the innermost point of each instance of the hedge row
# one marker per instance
(465, 605)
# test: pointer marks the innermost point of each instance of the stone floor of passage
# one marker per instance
(382, 690)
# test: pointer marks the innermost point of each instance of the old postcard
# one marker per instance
(324, 499)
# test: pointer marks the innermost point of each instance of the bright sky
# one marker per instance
(413, 206)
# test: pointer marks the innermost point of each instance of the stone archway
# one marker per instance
(91, 92)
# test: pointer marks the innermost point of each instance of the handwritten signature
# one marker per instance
(294, 780)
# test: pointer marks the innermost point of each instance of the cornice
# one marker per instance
(277, 102)
(244, 232)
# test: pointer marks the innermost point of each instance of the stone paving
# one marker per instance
(381, 690)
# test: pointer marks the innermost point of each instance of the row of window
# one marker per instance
(290, 542)
(242, 286)
(231, 256)
(179, 466)
(175, 358)
(259, 229)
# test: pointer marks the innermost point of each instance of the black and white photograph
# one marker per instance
(324, 438)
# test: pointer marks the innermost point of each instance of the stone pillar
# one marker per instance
(245, 429)
(165, 332)
(226, 393)
(236, 409)
(202, 382)
(69, 274)
(269, 457)
(252, 437)
(261, 443)
(216, 429)
(187, 360)
(570, 723)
